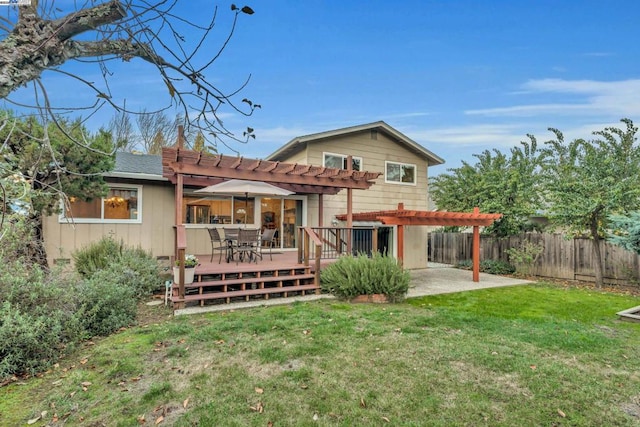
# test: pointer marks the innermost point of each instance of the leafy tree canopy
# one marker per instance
(40, 165)
(496, 183)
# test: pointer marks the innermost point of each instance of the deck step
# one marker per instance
(244, 293)
(246, 280)
(227, 282)
(232, 268)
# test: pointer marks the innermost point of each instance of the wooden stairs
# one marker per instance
(216, 286)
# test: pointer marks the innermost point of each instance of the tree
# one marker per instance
(46, 38)
(156, 130)
(43, 37)
(157, 143)
(626, 231)
(586, 181)
(199, 143)
(121, 129)
(496, 183)
(46, 163)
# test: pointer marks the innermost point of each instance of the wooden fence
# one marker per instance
(561, 258)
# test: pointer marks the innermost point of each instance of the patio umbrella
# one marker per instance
(248, 188)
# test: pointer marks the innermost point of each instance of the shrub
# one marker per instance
(351, 276)
(490, 266)
(107, 302)
(116, 277)
(525, 255)
(139, 270)
(132, 266)
(38, 319)
(97, 256)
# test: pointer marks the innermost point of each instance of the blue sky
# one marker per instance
(458, 77)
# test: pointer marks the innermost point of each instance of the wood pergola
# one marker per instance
(401, 217)
(187, 167)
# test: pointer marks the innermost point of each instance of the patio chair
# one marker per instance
(247, 246)
(231, 234)
(268, 238)
(217, 244)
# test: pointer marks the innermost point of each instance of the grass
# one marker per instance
(527, 355)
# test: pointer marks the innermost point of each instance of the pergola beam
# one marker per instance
(218, 167)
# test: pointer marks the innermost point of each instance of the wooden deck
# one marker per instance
(220, 283)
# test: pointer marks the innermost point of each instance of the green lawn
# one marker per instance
(527, 355)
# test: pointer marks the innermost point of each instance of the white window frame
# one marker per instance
(344, 159)
(401, 164)
(102, 220)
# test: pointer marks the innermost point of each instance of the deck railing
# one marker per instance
(334, 242)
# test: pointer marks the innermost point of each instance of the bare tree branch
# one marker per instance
(125, 29)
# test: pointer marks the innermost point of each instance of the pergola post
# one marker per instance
(400, 245)
(400, 238)
(476, 249)
(320, 210)
(180, 242)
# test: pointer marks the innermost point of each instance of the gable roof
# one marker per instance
(299, 143)
(137, 166)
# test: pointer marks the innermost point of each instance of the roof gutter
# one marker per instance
(133, 175)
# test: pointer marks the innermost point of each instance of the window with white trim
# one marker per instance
(400, 173)
(339, 161)
(123, 203)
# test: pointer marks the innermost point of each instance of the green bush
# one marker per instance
(139, 270)
(39, 320)
(351, 276)
(490, 266)
(107, 302)
(496, 267)
(133, 266)
(525, 256)
(97, 256)
(116, 277)
(45, 314)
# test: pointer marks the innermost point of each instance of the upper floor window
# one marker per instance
(400, 173)
(121, 204)
(339, 161)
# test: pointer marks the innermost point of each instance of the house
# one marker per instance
(374, 147)
(140, 208)
(137, 210)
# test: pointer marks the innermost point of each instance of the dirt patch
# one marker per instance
(508, 384)
(632, 408)
(153, 314)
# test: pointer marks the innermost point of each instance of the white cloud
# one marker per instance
(495, 135)
(614, 99)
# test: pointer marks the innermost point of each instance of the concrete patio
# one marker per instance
(444, 279)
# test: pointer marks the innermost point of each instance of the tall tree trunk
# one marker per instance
(37, 251)
(597, 253)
